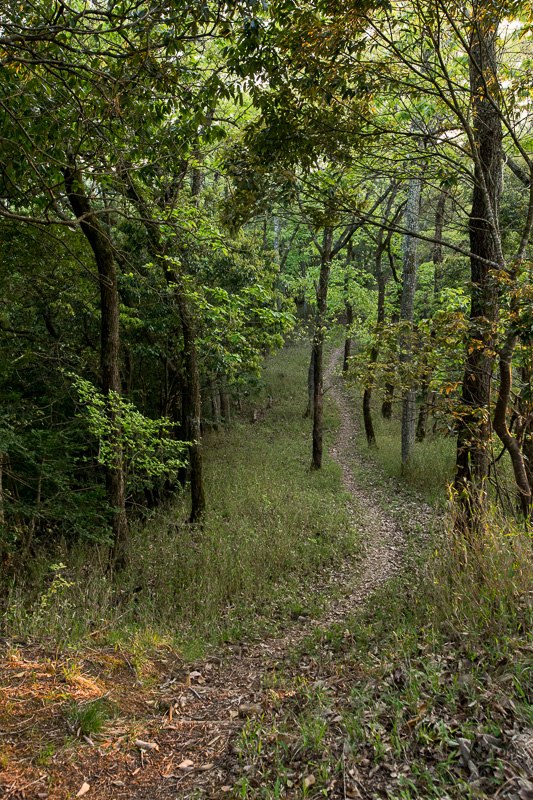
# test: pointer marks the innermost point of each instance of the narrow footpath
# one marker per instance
(226, 692)
(184, 738)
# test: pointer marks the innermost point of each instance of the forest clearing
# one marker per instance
(266, 399)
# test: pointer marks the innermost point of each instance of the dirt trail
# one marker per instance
(192, 718)
(218, 707)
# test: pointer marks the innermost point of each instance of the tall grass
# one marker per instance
(483, 585)
(271, 525)
(432, 463)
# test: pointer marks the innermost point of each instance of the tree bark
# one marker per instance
(215, 404)
(436, 255)
(410, 272)
(225, 403)
(318, 346)
(348, 309)
(500, 424)
(526, 433)
(485, 245)
(191, 396)
(192, 409)
(310, 384)
(109, 351)
(374, 353)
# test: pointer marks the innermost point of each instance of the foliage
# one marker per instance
(149, 447)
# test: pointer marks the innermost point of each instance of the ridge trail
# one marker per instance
(240, 680)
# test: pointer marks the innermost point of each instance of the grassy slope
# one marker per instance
(438, 666)
(271, 525)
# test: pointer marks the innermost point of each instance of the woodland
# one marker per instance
(266, 351)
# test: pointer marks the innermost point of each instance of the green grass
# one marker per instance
(432, 464)
(441, 654)
(88, 718)
(431, 467)
(271, 525)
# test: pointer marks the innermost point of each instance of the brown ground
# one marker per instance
(187, 713)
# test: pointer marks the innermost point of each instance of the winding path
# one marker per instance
(215, 711)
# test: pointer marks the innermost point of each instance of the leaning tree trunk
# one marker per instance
(318, 346)
(500, 424)
(410, 271)
(474, 430)
(109, 351)
(525, 410)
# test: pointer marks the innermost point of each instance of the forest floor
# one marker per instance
(322, 710)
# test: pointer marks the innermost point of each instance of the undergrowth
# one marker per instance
(432, 463)
(271, 526)
(427, 692)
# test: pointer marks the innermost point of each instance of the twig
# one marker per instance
(343, 772)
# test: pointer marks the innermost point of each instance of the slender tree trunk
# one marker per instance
(474, 430)
(192, 409)
(374, 353)
(265, 229)
(215, 404)
(348, 339)
(225, 403)
(191, 396)
(436, 254)
(109, 352)
(527, 430)
(310, 384)
(500, 424)
(367, 418)
(421, 425)
(318, 346)
(410, 272)
(348, 309)
(386, 407)
(277, 231)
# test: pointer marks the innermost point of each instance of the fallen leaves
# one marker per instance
(250, 710)
(84, 789)
(146, 745)
(309, 781)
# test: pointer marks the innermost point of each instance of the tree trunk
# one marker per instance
(192, 409)
(225, 402)
(436, 255)
(367, 417)
(109, 352)
(421, 425)
(348, 308)
(524, 405)
(191, 396)
(348, 339)
(410, 272)
(310, 384)
(318, 346)
(485, 245)
(386, 406)
(215, 404)
(500, 424)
